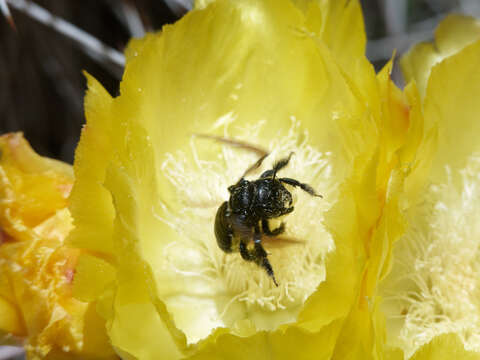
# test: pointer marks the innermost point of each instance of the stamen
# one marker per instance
(438, 261)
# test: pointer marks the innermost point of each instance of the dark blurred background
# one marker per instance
(42, 87)
(41, 80)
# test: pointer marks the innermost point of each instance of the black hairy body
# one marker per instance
(241, 221)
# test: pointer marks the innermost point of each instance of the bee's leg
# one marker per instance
(304, 187)
(286, 211)
(257, 254)
(280, 164)
(274, 232)
(261, 255)
(247, 255)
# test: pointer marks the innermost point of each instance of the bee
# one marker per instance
(242, 221)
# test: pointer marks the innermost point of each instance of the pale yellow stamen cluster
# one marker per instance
(298, 262)
(436, 279)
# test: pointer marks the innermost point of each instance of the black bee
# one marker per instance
(244, 217)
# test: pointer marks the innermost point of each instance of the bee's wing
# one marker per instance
(236, 143)
(242, 145)
(254, 166)
(281, 241)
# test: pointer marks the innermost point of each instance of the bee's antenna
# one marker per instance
(280, 164)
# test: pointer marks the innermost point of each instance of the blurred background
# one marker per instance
(43, 54)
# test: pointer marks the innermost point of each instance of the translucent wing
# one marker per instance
(281, 241)
(241, 145)
(235, 143)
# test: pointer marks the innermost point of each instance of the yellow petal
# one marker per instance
(32, 188)
(339, 25)
(335, 296)
(291, 343)
(446, 346)
(93, 223)
(394, 354)
(132, 301)
(452, 35)
(85, 289)
(451, 103)
(10, 321)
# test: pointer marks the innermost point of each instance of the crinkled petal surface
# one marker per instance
(36, 269)
(32, 188)
(273, 73)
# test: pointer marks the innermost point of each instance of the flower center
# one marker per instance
(242, 290)
(434, 286)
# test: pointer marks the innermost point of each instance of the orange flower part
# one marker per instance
(36, 267)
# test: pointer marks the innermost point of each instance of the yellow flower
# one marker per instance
(280, 74)
(33, 188)
(432, 295)
(36, 269)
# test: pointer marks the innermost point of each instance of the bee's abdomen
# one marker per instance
(223, 229)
